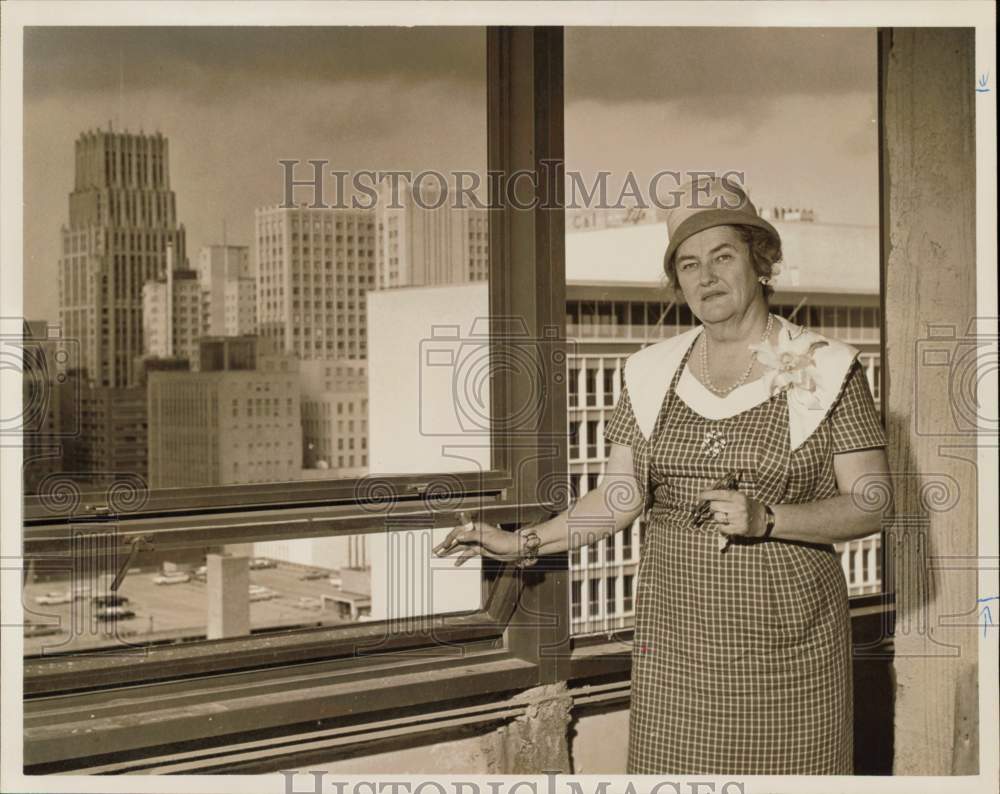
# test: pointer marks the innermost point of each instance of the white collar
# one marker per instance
(710, 405)
(649, 372)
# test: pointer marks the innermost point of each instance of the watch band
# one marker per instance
(529, 555)
(769, 522)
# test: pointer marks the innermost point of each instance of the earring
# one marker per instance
(764, 280)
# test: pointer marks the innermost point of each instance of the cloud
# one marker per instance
(656, 64)
(203, 60)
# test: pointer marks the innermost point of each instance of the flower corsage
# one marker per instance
(794, 367)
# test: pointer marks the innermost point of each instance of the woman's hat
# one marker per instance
(705, 202)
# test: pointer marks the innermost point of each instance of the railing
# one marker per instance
(862, 570)
(628, 331)
(631, 331)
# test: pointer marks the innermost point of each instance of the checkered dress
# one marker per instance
(742, 659)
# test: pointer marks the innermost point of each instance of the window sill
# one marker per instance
(119, 728)
(61, 675)
(198, 722)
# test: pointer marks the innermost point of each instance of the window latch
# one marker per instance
(137, 544)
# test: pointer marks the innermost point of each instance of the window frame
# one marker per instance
(525, 68)
(523, 74)
(499, 648)
(192, 501)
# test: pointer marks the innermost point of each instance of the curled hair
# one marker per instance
(765, 253)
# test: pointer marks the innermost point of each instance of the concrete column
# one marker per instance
(929, 178)
(536, 742)
(228, 593)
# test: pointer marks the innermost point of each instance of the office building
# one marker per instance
(172, 315)
(426, 239)
(112, 443)
(314, 267)
(335, 416)
(419, 424)
(334, 410)
(50, 390)
(122, 216)
(235, 421)
(229, 290)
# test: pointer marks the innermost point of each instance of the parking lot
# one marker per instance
(164, 612)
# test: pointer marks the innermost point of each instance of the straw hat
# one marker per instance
(709, 201)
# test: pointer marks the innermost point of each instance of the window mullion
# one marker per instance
(528, 284)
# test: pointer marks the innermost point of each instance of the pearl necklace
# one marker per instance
(753, 357)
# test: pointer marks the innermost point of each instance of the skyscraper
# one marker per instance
(229, 290)
(172, 315)
(426, 239)
(314, 267)
(122, 215)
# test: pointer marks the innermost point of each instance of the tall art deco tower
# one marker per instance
(122, 218)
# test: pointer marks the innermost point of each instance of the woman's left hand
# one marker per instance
(735, 513)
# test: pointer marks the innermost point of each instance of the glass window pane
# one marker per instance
(184, 277)
(204, 315)
(230, 591)
(619, 250)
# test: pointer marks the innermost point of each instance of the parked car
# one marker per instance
(261, 593)
(111, 600)
(115, 613)
(262, 562)
(40, 630)
(310, 575)
(172, 578)
(55, 597)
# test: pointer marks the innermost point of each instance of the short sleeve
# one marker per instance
(621, 427)
(854, 420)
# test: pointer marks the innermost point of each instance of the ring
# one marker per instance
(721, 517)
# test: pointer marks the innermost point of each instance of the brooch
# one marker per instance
(713, 443)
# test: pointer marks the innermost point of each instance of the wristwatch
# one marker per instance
(531, 541)
(768, 522)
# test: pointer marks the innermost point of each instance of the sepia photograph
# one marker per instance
(478, 397)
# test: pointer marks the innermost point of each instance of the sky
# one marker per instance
(792, 109)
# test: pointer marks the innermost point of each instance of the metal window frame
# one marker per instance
(533, 605)
(519, 639)
(134, 499)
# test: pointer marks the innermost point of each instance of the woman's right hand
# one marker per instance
(477, 537)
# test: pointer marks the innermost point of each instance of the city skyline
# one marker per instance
(330, 101)
(198, 426)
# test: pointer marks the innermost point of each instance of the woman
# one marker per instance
(746, 441)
